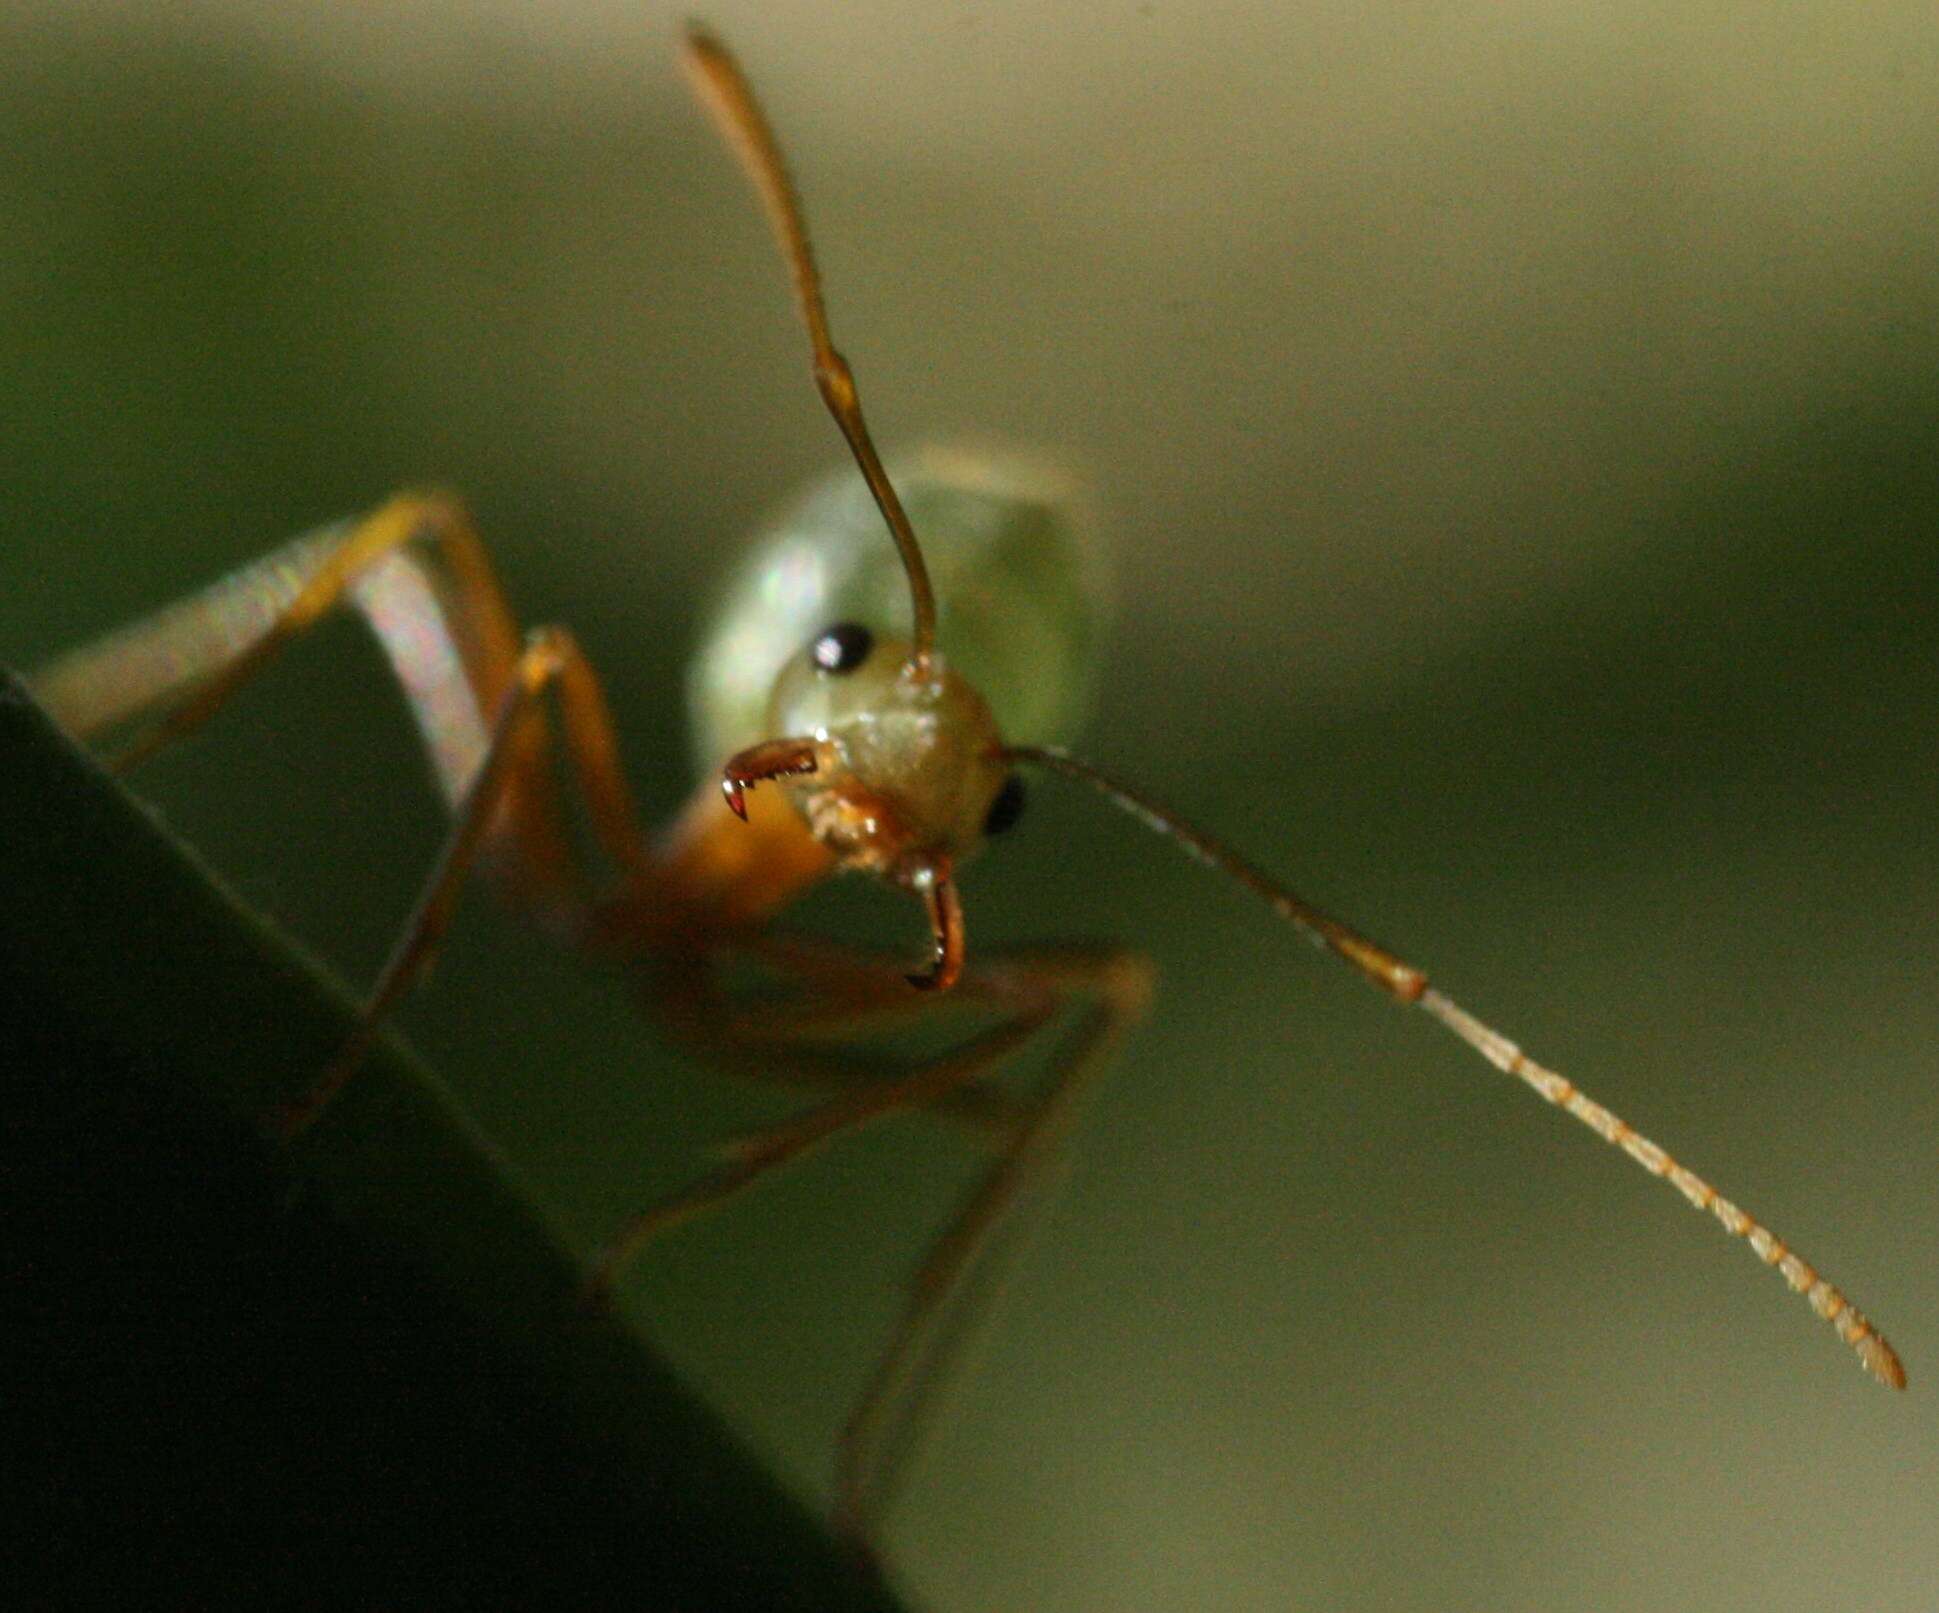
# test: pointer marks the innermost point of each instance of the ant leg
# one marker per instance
(452, 644)
(551, 660)
(177, 667)
(1030, 989)
(418, 572)
(752, 1157)
(945, 1298)
(805, 1037)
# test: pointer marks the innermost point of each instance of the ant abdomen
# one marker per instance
(1019, 587)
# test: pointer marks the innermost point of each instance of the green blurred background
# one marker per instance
(1515, 430)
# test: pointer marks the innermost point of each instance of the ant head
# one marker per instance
(908, 761)
(895, 764)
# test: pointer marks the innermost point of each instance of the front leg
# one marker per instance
(551, 660)
(418, 573)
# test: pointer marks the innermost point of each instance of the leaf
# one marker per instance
(355, 1369)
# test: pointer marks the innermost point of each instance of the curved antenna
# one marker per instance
(723, 90)
(1409, 985)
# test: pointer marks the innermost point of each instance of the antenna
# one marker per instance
(1409, 984)
(723, 89)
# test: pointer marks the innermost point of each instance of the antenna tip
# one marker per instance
(1882, 1361)
(700, 45)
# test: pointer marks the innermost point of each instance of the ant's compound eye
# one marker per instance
(1006, 808)
(843, 647)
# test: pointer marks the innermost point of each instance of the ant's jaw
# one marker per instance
(930, 879)
(773, 759)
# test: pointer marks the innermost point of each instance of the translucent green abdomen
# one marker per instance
(1019, 596)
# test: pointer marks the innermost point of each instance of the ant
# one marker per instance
(863, 746)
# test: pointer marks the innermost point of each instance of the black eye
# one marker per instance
(1006, 808)
(843, 647)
